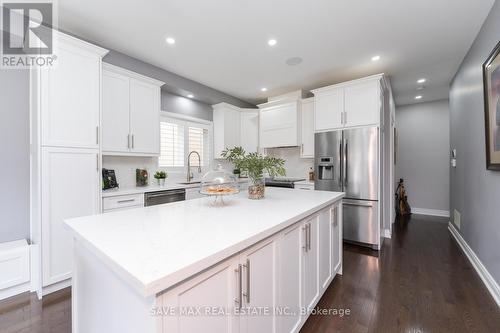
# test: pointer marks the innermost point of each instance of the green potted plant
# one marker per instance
(160, 177)
(235, 156)
(255, 165)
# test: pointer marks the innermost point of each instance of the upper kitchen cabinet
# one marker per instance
(328, 108)
(70, 95)
(131, 113)
(234, 126)
(349, 104)
(249, 133)
(362, 104)
(226, 120)
(278, 125)
(307, 128)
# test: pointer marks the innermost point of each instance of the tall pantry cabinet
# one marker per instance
(65, 154)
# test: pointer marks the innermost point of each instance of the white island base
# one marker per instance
(250, 266)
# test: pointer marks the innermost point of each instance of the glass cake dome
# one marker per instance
(219, 182)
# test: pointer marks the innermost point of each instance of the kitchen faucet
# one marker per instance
(189, 173)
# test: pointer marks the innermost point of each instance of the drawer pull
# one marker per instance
(127, 200)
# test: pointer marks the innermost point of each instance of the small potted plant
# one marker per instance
(160, 177)
(256, 165)
(235, 156)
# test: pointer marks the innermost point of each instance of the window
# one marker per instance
(171, 145)
(178, 138)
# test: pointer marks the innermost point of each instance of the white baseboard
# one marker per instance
(56, 287)
(483, 273)
(16, 290)
(431, 212)
(386, 233)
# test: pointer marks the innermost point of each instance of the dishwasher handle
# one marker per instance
(164, 193)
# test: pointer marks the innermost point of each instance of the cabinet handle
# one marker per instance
(97, 162)
(345, 118)
(247, 268)
(302, 147)
(133, 143)
(309, 236)
(123, 201)
(97, 135)
(304, 228)
(239, 291)
(128, 141)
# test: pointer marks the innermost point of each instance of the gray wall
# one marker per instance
(14, 155)
(186, 106)
(423, 153)
(475, 191)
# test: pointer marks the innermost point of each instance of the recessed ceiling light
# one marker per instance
(376, 58)
(272, 42)
(263, 89)
(190, 95)
(170, 40)
(421, 80)
(418, 97)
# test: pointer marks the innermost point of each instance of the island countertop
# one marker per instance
(154, 248)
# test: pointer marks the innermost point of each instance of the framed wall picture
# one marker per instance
(491, 79)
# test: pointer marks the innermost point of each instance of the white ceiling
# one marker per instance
(223, 43)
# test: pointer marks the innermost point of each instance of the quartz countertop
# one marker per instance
(169, 185)
(154, 248)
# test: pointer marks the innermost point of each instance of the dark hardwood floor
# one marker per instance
(420, 282)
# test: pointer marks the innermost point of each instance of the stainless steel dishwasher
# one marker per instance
(162, 197)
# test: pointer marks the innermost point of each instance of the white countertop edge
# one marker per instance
(199, 266)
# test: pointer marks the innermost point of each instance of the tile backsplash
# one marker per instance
(125, 166)
(296, 167)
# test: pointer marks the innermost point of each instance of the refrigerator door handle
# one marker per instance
(341, 167)
(346, 157)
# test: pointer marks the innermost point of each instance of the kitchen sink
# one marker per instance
(189, 183)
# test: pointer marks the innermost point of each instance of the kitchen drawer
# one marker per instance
(122, 201)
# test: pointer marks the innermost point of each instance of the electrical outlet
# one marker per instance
(456, 218)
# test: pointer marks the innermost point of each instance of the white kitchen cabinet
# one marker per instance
(328, 109)
(258, 272)
(214, 289)
(326, 247)
(65, 114)
(227, 122)
(310, 262)
(131, 113)
(362, 104)
(289, 278)
(115, 105)
(249, 130)
(144, 117)
(122, 202)
(278, 124)
(70, 188)
(307, 128)
(244, 282)
(349, 104)
(337, 246)
(70, 95)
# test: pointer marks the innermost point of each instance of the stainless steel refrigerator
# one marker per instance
(348, 161)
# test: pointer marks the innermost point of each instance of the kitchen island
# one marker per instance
(247, 266)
